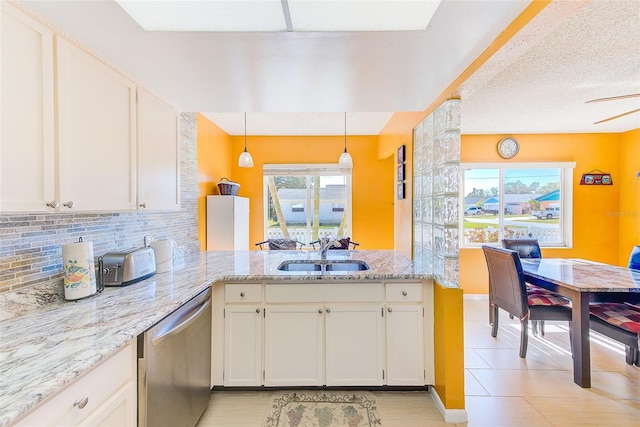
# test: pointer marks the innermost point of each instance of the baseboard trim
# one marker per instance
(449, 415)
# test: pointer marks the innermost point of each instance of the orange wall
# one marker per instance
(213, 163)
(629, 181)
(595, 223)
(372, 179)
(399, 131)
(448, 336)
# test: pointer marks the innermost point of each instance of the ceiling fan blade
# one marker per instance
(618, 116)
(613, 98)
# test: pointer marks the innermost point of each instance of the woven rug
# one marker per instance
(322, 409)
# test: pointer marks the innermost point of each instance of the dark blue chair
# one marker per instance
(634, 258)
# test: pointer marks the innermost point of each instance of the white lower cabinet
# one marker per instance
(405, 334)
(333, 334)
(104, 396)
(294, 345)
(354, 345)
(243, 345)
(405, 348)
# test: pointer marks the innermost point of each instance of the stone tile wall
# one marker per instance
(30, 251)
(436, 193)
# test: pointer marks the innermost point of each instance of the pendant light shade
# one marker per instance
(245, 160)
(345, 160)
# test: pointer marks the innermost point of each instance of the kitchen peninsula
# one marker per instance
(47, 343)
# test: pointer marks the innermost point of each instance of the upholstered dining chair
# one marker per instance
(508, 291)
(621, 322)
(280, 244)
(530, 248)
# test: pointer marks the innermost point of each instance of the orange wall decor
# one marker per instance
(595, 222)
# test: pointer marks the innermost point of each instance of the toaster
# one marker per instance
(121, 268)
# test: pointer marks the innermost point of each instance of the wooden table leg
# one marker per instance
(581, 347)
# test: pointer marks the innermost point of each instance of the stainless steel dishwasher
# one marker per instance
(174, 366)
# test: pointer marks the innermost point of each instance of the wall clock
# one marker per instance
(508, 147)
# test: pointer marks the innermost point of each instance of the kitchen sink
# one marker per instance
(319, 265)
(351, 265)
(300, 265)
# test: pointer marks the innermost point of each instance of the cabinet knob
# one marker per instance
(389, 309)
(53, 204)
(242, 294)
(143, 205)
(257, 310)
(328, 310)
(404, 293)
(69, 204)
(81, 403)
(319, 311)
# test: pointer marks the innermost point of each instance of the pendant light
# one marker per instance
(245, 160)
(345, 160)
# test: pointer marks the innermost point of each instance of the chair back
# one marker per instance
(507, 288)
(526, 248)
(280, 244)
(634, 258)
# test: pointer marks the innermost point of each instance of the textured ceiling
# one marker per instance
(301, 83)
(570, 53)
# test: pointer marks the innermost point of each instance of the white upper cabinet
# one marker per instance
(27, 174)
(158, 161)
(96, 133)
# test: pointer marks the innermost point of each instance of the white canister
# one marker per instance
(164, 250)
(78, 270)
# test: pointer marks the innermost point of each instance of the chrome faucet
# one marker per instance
(325, 244)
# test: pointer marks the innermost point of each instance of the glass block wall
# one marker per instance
(436, 172)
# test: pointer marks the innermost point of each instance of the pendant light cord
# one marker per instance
(245, 131)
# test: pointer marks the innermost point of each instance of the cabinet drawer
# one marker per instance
(243, 293)
(96, 386)
(400, 292)
(326, 292)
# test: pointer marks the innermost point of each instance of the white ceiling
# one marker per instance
(301, 83)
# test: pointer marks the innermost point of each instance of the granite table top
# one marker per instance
(47, 342)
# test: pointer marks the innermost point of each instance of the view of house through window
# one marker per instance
(517, 202)
(306, 202)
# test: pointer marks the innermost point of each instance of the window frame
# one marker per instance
(307, 169)
(566, 203)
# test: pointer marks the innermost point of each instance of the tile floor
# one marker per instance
(501, 388)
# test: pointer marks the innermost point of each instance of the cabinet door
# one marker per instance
(294, 345)
(243, 345)
(158, 164)
(96, 133)
(27, 175)
(119, 410)
(354, 345)
(405, 345)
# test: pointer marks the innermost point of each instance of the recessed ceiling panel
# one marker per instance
(361, 15)
(269, 15)
(206, 15)
(300, 124)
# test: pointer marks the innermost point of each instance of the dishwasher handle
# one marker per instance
(182, 324)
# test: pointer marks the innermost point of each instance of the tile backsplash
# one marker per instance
(30, 251)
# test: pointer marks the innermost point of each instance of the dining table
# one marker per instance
(584, 282)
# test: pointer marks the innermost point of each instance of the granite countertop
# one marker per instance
(47, 342)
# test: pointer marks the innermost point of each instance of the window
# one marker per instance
(305, 202)
(516, 200)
